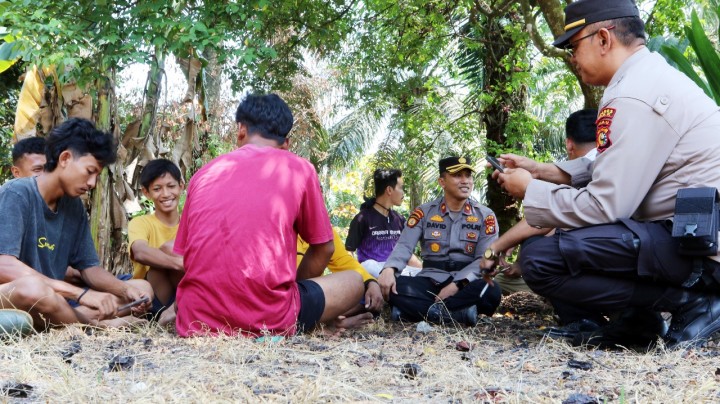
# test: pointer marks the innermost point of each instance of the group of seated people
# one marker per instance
(224, 267)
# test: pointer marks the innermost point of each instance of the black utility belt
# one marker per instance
(450, 266)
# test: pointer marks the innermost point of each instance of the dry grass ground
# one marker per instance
(509, 361)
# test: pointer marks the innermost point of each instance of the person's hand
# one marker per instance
(103, 302)
(514, 181)
(132, 294)
(387, 282)
(449, 290)
(513, 271)
(373, 297)
(510, 160)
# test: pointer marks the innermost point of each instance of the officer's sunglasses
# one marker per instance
(572, 46)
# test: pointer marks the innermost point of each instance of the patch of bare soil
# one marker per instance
(502, 359)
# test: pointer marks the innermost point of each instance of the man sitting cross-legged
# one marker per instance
(162, 183)
(45, 229)
(238, 237)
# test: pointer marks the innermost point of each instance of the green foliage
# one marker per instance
(707, 57)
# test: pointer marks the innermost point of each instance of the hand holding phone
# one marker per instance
(133, 304)
(495, 163)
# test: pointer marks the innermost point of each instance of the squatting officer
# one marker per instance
(657, 133)
(454, 232)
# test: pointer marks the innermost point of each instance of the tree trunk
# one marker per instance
(500, 50)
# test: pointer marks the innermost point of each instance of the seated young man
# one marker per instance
(238, 237)
(162, 183)
(342, 260)
(45, 229)
(376, 229)
(28, 156)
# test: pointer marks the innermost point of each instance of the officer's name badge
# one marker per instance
(434, 247)
(436, 234)
(472, 219)
(436, 218)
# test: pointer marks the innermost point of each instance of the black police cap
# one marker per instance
(585, 12)
(454, 164)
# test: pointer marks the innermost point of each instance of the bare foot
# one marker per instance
(167, 316)
(356, 321)
(121, 322)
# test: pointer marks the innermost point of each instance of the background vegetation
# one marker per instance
(373, 83)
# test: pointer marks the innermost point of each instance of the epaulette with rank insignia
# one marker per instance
(415, 217)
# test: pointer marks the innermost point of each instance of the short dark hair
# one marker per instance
(267, 115)
(31, 145)
(627, 29)
(80, 137)
(384, 178)
(580, 126)
(156, 169)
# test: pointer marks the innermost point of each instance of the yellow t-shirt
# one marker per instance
(154, 232)
(341, 259)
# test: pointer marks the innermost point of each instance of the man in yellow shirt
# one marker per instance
(342, 260)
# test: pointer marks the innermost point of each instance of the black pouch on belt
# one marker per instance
(696, 221)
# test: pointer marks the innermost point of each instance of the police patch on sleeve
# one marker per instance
(415, 217)
(603, 138)
(490, 225)
(602, 134)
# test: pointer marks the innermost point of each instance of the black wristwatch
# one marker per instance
(462, 283)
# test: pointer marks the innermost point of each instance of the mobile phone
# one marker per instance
(495, 163)
(133, 304)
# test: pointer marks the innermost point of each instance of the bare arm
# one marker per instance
(315, 260)
(516, 235)
(12, 268)
(415, 262)
(156, 257)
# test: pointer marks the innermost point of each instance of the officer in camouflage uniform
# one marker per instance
(454, 232)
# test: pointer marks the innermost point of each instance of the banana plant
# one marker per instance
(708, 57)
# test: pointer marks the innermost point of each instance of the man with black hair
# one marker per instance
(28, 156)
(657, 134)
(453, 231)
(238, 237)
(376, 229)
(161, 183)
(45, 229)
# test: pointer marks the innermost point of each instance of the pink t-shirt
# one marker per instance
(238, 236)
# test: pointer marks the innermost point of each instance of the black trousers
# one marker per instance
(599, 267)
(417, 293)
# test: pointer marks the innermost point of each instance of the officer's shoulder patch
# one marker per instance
(490, 225)
(437, 218)
(602, 138)
(415, 217)
(606, 113)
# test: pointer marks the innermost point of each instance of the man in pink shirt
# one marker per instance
(238, 235)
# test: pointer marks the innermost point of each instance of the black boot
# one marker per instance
(634, 327)
(439, 314)
(695, 316)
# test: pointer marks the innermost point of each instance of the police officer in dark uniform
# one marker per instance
(657, 137)
(454, 232)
